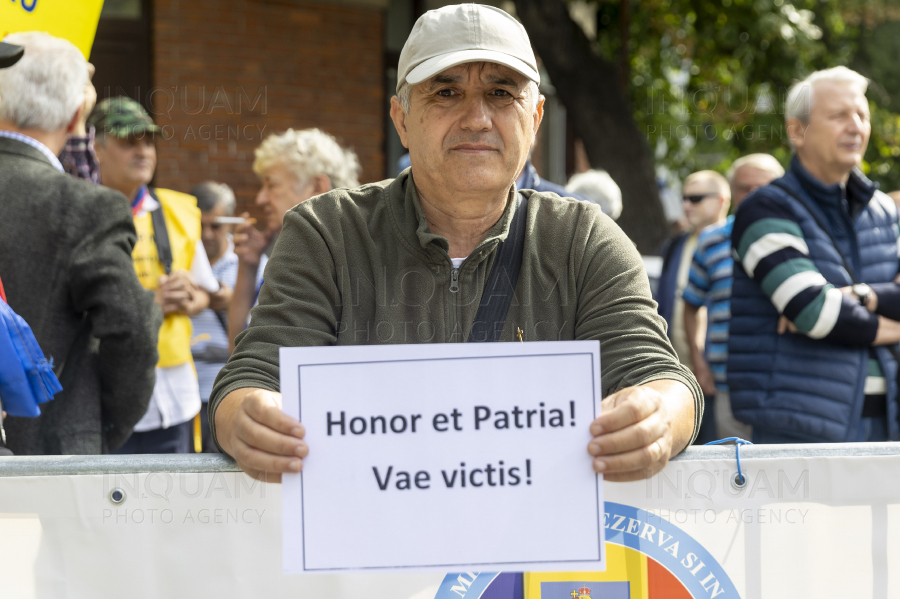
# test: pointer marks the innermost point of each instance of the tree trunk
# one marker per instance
(588, 86)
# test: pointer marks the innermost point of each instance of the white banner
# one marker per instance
(443, 456)
(825, 526)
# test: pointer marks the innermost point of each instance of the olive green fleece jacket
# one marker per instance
(361, 267)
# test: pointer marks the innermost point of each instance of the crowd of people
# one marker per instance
(778, 308)
(799, 285)
(195, 265)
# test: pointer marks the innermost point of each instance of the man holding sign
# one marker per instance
(408, 260)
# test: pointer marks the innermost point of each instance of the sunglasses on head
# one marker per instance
(696, 199)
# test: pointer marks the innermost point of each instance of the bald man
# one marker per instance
(709, 288)
(895, 195)
(706, 196)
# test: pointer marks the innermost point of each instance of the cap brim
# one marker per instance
(10, 54)
(433, 66)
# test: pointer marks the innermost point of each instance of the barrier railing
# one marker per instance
(810, 521)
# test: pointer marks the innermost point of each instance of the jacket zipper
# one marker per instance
(453, 305)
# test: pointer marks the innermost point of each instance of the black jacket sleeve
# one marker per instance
(123, 316)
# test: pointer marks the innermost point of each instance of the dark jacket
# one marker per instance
(65, 252)
(791, 384)
(667, 290)
(531, 180)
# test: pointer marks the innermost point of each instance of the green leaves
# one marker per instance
(708, 79)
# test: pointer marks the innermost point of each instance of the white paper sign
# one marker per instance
(465, 457)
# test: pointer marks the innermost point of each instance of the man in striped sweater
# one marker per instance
(815, 302)
(709, 285)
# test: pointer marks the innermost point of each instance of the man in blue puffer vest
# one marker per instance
(815, 303)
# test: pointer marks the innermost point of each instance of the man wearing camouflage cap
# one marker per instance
(169, 259)
(425, 243)
(65, 260)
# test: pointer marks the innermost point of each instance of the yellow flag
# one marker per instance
(68, 19)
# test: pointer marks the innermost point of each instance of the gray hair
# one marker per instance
(307, 154)
(799, 102)
(405, 91)
(210, 194)
(600, 188)
(45, 88)
(764, 162)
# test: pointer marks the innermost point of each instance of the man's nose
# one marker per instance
(261, 198)
(143, 150)
(856, 124)
(477, 115)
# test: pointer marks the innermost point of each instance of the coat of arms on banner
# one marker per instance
(586, 590)
(647, 558)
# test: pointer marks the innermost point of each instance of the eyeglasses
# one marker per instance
(696, 199)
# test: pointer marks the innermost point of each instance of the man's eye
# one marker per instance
(446, 93)
(501, 93)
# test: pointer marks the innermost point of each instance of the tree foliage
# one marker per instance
(707, 80)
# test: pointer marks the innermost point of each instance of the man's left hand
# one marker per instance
(638, 431)
(871, 302)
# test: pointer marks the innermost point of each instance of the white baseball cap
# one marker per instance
(461, 33)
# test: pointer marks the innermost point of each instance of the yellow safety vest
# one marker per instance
(183, 226)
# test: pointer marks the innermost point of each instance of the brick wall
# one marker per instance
(227, 74)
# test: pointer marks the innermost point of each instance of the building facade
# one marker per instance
(221, 75)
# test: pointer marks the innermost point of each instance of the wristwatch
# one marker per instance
(862, 291)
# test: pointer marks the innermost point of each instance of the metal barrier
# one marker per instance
(812, 520)
(192, 463)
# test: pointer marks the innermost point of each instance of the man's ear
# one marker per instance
(539, 113)
(726, 204)
(398, 115)
(75, 119)
(321, 184)
(796, 132)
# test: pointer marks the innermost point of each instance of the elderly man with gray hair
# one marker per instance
(415, 253)
(211, 345)
(815, 309)
(65, 262)
(292, 167)
(600, 188)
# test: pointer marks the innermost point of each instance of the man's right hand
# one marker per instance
(87, 105)
(249, 243)
(264, 441)
(176, 292)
